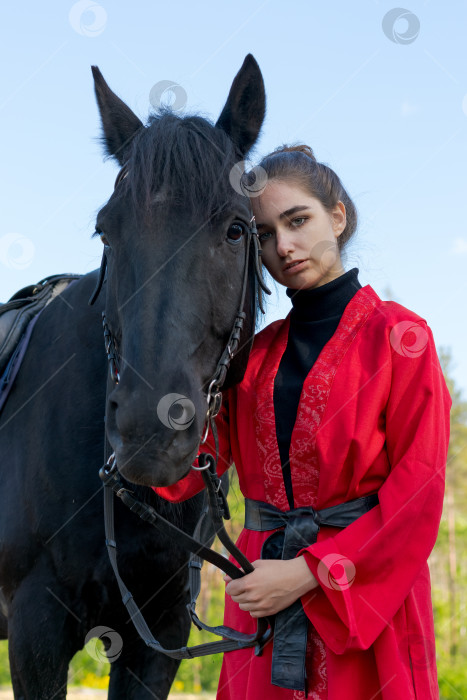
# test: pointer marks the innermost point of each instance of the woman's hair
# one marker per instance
(298, 163)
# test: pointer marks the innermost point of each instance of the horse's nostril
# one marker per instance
(111, 416)
(112, 407)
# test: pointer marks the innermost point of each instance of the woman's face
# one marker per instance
(294, 227)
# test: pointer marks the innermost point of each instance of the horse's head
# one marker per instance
(175, 232)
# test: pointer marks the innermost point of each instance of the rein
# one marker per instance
(217, 502)
(217, 508)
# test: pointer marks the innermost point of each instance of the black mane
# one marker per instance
(168, 159)
(57, 588)
(183, 158)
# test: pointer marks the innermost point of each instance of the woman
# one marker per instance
(343, 401)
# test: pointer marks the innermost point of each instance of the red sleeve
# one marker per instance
(382, 553)
(193, 483)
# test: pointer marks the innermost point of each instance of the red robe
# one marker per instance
(373, 417)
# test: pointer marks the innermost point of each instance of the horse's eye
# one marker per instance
(235, 233)
(103, 238)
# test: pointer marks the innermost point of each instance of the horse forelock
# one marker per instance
(184, 160)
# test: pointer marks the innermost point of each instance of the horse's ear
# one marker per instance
(243, 113)
(119, 123)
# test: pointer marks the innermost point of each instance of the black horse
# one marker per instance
(173, 232)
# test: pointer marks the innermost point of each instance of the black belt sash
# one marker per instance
(300, 529)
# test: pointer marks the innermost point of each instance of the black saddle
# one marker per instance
(23, 306)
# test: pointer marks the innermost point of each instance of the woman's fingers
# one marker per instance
(235, 588)
(272, 586)
(228, 578)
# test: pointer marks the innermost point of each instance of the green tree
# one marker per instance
(448, 569)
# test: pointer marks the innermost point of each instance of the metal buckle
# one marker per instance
(112, 464)
(206, 432)
(200, 469)
(206, 466)
(214, 401)
(123, 490)
(216, 404)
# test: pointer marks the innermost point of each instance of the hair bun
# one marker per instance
(302, 148)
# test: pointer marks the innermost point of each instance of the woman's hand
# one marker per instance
(272, 586)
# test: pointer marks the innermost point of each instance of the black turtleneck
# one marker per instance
(314, 318)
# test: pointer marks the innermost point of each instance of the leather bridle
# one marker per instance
(214, 395)
(218, 508)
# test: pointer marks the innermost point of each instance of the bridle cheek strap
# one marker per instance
(208, 466)
(214, 395)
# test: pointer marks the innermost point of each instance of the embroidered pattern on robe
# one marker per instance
(371, 418)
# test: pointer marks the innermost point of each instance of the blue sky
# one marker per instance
(390, 116)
